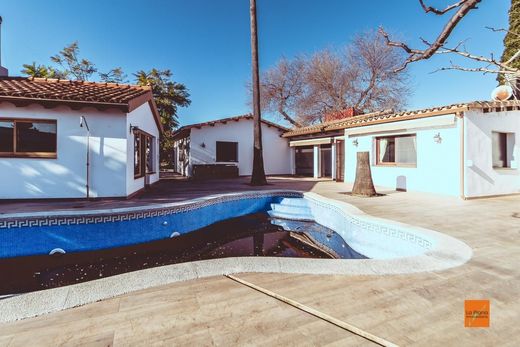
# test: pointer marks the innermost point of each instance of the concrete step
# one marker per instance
(300, 202)
(305, 210)
(292, 216)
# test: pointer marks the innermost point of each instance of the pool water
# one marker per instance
(251, 235)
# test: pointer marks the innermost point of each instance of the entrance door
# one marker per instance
(340, 161)
(326, 160)
(304, 161)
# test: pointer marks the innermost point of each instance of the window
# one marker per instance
(227, 151)
(503, 144)
(144, 154)
(28, 138)
(396, 150)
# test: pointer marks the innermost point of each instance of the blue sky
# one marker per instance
(206, 42)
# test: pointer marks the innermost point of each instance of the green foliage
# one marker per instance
(68, 59)
(115, 75)
(34, 70)
(168, 96)
(512, 38)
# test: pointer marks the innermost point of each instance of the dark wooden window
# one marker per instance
(398, 150)
(144, 154)
(28, 138)
(500, 150)
(227, 151)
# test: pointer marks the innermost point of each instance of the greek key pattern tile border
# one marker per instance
(379, 228)
(8, 223)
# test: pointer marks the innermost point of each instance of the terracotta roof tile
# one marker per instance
(80, 93)
(390, 116)
(50, 93)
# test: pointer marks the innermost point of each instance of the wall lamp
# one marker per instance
(437, 138)
(134, 129)
(355, 142)
(203, 145)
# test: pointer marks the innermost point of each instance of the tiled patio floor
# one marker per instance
(418, 309)
(167, 190)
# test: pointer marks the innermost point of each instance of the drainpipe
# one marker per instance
(83, 122)
(460, 116)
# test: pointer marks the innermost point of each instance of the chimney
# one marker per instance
(337, 115)
(3, 70)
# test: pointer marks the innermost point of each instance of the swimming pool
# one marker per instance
(253, 235)
(80, 231)
(390, 247)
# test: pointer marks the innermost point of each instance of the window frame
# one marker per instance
(395, 163)
(225, 161)
(40, 155)
(143, 163)
(507, 150)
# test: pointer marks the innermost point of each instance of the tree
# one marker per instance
(168, 96)
(115, 75)
(512, 38)
(258, 174)
(459, 10)
(363, 184)
(359, 75)
(68, 58)
(36, 70)
(282, 87)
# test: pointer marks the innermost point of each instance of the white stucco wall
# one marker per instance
(276, 151)
(141, 117)
(481, 179)
(65, 176)
(438, 164)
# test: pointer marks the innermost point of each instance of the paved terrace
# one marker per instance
(417, 309)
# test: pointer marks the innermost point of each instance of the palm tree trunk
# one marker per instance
(258, 174)
(363, 185)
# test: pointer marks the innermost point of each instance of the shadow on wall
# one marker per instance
(201, 155)
(482, 174)
(65, 176)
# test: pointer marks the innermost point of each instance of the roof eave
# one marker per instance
(52, 103)
(351, 122)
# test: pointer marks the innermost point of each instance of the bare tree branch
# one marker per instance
(440, 12)
(463, 8)
(478, 69)
(479, 58)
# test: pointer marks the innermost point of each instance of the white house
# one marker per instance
(51, 129)
(468, 150)
(229, 142)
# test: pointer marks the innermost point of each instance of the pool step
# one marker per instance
(305, 210)
(300, 202)
(291, 208)
(292, 216)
